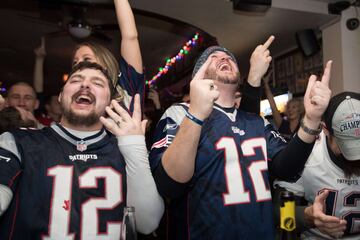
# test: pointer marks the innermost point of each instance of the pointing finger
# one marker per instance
(201, 73)
(268, 42)
(310, 84)
(327, 73)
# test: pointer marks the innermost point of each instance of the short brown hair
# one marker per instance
(91, 65)
(107, 60)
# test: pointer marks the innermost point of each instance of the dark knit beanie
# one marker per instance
(204, 56)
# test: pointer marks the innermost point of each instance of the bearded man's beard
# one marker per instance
(225, 79)
(80, 119)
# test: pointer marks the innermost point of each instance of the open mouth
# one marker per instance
(84, 98)
(223, 66)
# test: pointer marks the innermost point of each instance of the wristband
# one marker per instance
(194, 119)
(309, 130)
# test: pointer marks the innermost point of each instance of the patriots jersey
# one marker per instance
(229, 195)
(131, 82)
(322, 173)
(63, 188)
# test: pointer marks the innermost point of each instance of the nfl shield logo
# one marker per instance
(81, 145)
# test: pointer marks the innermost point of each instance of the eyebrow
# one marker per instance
(77, 75)
(98, 79)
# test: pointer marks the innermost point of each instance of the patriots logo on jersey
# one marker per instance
(238, 130)
(7, 159)
(277, 135)
(170, 126)
(164, 142)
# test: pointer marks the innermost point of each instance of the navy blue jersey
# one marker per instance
(63, 188)
(229, 195)
(131, 82)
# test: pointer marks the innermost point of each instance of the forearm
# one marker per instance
(312, 124)
(130, 48)
(276, 114)
(39, 75)
(179, 159)
(125, 19)
(141, 188)
(250, 101)
(288, 164)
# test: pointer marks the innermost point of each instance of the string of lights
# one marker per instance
(170, 62)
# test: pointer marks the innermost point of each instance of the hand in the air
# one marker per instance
(203, 93)
(259, 62)
(120, 123)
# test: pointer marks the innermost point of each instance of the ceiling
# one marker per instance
(238, 31)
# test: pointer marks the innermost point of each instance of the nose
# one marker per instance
(85, 83)
(21, 102)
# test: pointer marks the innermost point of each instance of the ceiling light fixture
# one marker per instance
(80, 30)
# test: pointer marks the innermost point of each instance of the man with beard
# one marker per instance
(73, 179)
(331, 177)
(212, 160)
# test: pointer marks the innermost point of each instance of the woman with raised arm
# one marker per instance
(294, 111)
(127, 74)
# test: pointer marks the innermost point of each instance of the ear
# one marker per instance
(59, 97)
(37, 103)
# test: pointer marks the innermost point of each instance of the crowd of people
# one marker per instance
(206, 166)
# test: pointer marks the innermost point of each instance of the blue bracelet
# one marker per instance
(194, 119)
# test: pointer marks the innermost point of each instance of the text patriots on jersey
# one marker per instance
(82, 157)
(347, 181)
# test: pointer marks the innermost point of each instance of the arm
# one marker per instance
(250, 101)
(179, 159)
(141, 188)
(276, 114)
(289, 162)
(259, 64)
(141, 193)
(39, 67)
(130, 48)
(9, 169)
(316, 100)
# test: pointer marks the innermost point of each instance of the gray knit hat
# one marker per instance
(204, 56)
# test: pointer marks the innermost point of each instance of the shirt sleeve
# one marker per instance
(141, 188)
(10, 163)
(132, 83)
(164, 134)
(287, 161)
(250, 101)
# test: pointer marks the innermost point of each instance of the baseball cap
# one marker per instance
(343, 115)
(204, 56)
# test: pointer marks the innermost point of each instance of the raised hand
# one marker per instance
(203, 93)
(329, 225)
(121, 123)
(154, 96)
(259, 62)
(317, 95)
(40, 51)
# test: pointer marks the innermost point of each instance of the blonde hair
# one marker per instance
(107, 60)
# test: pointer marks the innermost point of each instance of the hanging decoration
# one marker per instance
(170, 62)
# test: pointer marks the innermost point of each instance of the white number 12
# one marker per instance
(237, 194)
(59, 219)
